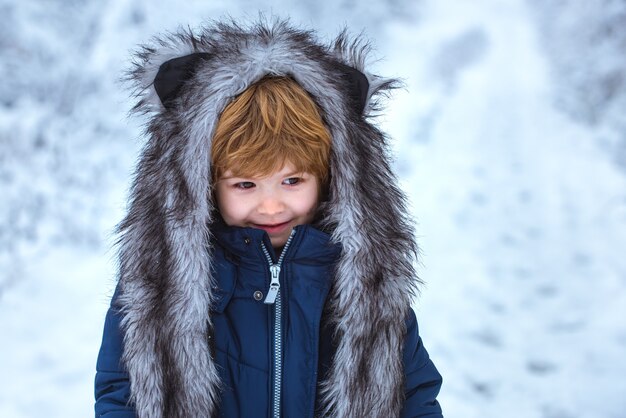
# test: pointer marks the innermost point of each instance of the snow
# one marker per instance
(516, 183)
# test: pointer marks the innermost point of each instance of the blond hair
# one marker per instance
(273, 122)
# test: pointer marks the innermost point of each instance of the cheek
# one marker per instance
(232, 212)
(312, 206)
(309, 203)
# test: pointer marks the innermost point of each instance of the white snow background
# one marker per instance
(510, 139)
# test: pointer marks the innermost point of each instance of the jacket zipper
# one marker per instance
(273, 298)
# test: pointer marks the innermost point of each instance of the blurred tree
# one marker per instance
(586, 45)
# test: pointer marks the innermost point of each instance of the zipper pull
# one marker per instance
(274, 285)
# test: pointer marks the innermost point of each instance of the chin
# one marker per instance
(278, 243)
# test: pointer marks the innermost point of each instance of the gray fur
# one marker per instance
(164, 239)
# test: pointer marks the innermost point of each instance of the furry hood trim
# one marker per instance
(165, 276)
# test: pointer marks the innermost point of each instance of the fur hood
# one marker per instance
(166, 287)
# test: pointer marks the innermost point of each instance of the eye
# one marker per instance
(243, 185)
(292, 181)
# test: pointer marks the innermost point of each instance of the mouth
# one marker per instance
(273, 228)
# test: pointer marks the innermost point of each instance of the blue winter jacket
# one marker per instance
(243, 341)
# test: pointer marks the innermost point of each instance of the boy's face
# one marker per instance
(275, 203)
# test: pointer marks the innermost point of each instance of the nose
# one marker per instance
(271, 204)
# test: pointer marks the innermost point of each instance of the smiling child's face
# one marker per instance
(275, 203)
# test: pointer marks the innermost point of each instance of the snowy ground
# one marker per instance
(521, 210)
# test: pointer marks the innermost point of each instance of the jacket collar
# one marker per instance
(308, 243)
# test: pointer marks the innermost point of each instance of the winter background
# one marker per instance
(510, 139)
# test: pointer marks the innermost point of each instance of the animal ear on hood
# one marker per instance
(173, 74)
(358, 86)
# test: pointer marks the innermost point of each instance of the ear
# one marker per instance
(173, 74)
(358, 86)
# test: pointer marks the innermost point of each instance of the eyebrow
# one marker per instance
(300, 173)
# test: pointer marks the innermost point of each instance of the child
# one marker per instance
(266, 261)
